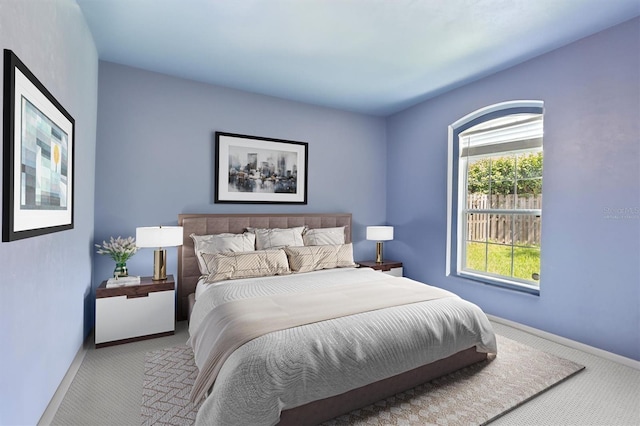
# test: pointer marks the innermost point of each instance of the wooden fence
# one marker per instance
(519, 229)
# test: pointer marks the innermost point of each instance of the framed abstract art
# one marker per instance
(38, 160)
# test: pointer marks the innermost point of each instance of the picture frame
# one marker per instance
(38, 157)
(259, 170)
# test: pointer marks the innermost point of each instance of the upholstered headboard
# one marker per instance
(207, 224)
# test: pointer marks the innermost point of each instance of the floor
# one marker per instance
(108, 386)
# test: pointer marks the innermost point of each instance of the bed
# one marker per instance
(319, 370)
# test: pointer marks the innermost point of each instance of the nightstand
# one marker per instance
(135, 312)
(389, 267)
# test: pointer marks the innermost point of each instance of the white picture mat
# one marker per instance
(31, 219)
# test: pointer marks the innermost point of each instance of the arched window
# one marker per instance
(495, 195)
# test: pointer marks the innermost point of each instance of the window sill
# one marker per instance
(496, 282)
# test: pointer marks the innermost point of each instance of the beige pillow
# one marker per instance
(313, 258)
(216, 243)
(272, 238)
(260, 263)
(323, 236)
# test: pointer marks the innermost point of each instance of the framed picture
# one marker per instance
(39, 139)
(252, 169)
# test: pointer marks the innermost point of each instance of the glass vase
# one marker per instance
(121, 270)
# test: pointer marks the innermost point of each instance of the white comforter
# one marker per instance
(289, 368)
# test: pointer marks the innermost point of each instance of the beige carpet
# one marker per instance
(472, 396)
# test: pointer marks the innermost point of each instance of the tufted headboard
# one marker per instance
(206, 224)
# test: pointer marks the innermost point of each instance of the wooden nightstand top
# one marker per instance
(386, 265)
(147, 285)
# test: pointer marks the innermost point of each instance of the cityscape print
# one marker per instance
(262, 170)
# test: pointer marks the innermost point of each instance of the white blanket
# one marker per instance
(292, 367)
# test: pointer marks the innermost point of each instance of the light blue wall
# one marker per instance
(155, 149)
(45, 281)
(590, 287)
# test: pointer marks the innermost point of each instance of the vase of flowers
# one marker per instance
(120, 250)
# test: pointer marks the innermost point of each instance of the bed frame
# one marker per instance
(317, 411)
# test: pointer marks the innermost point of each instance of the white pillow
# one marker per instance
(217, 243)
(313, 258)
(323, 236)
(272, 238)
(260, 263)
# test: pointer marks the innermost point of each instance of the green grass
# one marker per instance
(526, 260)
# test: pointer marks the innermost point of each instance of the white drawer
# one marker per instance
(396, 272)
(120, 318)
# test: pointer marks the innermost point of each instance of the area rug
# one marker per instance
(474, 395)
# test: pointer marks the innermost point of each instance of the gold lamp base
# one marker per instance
(379, 252)
(159, 265)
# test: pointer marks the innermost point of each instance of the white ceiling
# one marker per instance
(370, 56)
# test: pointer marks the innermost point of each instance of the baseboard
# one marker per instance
(51, 410)
(570, 343)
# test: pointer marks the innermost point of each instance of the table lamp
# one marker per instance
(379, 234)
(159, 237)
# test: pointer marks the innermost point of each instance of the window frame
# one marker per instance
(455, 197)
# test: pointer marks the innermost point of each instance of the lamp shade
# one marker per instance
(380, 233)
(159, 236)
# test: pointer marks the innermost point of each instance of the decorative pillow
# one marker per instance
(323, 236)
(313, 258)
(232, 265)
(272, 238)
(220, 243)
